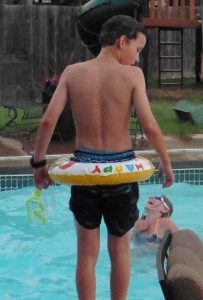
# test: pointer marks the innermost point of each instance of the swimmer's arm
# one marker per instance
(150, 126)
(50, 117)
(166, 224)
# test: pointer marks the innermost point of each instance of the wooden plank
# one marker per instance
(175, 9)
(192, 10)
(167, 9)
(159, 10)
(182, 9)
(152, 8)
(176, 23)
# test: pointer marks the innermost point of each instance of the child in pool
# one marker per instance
(155, 221)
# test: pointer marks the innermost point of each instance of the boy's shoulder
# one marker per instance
(74, 69)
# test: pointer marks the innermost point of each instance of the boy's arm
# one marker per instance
(150, 126)
(46, 129)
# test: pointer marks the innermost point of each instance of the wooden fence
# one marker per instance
(39, 41)
(35, 41)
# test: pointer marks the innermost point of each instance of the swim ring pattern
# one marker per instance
(67, 171)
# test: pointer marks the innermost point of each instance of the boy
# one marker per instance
(101, 92)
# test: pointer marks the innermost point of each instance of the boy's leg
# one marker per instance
(119, 251)
(87, 253)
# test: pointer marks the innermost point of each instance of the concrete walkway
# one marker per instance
(184, 151)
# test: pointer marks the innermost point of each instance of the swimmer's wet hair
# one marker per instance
(170, 205)
(117, 26)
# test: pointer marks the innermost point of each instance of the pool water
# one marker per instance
(37, 261)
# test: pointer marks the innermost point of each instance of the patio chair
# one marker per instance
(23, 119)
(30, 120)
(20, 121)
(180, 266)
(32, 113)
(7, 124)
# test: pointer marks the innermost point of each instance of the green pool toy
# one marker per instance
(35, 206)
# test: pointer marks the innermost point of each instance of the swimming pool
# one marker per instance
(38, 261)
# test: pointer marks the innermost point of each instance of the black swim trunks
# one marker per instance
(116, 203)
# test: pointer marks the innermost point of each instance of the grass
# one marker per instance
(188, 83)
(162, 110)
(169, 122)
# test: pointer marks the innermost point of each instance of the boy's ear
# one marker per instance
(121, 41)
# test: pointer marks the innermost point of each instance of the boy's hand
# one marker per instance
(169, 176)
(41, 177)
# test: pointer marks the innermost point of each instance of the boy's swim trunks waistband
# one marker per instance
(89, 155)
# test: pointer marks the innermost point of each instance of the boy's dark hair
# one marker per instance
(117, 26)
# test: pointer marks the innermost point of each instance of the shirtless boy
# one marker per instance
(101, 93)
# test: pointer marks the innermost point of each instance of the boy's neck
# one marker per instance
(109, 53)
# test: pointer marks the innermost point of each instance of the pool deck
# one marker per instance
(185, 152)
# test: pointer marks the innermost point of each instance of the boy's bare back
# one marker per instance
(100, 96)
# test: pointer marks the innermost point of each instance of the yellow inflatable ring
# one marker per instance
(66, 171)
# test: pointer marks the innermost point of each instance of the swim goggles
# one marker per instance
(162, 201)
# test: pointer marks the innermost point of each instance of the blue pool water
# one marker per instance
(38, 261)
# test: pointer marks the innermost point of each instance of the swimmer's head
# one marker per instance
(160, 203)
